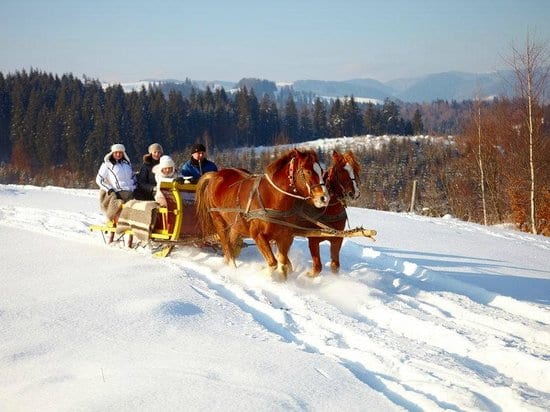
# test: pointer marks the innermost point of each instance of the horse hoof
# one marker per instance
(230, 262)
(276, 275)
(312, 273)
(271, 271)
(280, 273)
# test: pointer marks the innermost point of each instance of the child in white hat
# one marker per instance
(165, 171)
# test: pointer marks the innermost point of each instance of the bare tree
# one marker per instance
(530, 66)
(480, 160)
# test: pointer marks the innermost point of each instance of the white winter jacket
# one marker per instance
(117, 176)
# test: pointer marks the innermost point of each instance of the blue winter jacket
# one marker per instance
(195, 169)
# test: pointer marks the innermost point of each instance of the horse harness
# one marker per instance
(275, 216)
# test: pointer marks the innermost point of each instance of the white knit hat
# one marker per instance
(117, 147)
(166, 161)
(155, 147)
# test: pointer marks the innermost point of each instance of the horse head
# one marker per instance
(298, 174)
(343, 176)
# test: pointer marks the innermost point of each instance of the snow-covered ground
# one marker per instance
(438, 314)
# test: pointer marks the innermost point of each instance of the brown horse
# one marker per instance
(234, 204)
(342, 181)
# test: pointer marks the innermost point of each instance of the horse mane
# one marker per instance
(350, 158)
(285, 158)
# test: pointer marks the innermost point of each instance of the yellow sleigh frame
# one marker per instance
(170, 221)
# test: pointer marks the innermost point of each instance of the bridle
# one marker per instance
(333, 177)
(299, 173)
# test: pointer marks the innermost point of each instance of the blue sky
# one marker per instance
(130, 40)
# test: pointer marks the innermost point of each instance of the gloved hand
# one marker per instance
(110, 191)
(118, 196)
(180, 180)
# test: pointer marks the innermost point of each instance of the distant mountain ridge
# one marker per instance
(452, 85)
(445, 86)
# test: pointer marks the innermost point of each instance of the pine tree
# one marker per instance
(417, 126)
(336, 119)
(370, 119)
(244, 117)
(177, 134)
(96, 146)
(5, 114)
(290, 121)
(117, 118)
(74, 137)
(254, 109)
(268, 121)
(305, 131)
(140, 117)
(319, 125)
(390, 117)
(158, 118)
(45, 156)
(224, 120)
(194, 119)
(352, 118)
(19, 131)
(65, 131)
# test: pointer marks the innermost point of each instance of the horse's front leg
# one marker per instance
(335, 246)
(283, 247)
(315, 253)
(265, 249)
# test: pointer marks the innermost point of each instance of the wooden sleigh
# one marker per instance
(162, 227)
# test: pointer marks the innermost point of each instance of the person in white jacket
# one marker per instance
(116, 180)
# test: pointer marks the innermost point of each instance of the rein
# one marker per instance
(283, 191)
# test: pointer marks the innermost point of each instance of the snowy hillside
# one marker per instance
(437, 314)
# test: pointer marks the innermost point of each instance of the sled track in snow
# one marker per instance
(375, 330)
(370, 319)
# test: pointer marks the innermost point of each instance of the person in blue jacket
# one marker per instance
(198, 165)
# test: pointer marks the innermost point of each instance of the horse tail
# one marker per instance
(203, 204)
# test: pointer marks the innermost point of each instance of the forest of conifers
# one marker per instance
(56, 130)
